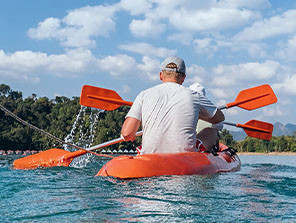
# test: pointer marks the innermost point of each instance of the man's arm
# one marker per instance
(129, 128)
(218, 117)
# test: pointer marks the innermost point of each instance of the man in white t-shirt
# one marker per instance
(169, 113)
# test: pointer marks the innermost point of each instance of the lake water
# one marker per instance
(264, 190)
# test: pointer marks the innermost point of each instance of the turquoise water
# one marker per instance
(264, 190)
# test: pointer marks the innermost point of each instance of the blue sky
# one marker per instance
(52, 48)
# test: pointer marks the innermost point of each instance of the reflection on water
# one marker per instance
(259, 192)
(171, 195)
(269, 186)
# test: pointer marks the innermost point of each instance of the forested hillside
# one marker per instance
(276, 144)
(58, 115)
(55, 116)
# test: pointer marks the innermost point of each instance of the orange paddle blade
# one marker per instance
(101, 98)
(47, 158)
(59, 157)
(257, 129)
(254, 98)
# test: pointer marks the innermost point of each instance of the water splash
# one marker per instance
(83, 133)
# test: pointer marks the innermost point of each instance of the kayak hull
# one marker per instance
(149, 165)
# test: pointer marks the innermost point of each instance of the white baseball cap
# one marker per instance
(181, 68)
(198, 88)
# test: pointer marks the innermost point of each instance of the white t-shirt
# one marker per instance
(169, 113)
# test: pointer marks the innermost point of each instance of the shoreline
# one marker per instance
(268, 154)
(28, 152)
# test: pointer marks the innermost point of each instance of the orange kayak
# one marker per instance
(158, 164)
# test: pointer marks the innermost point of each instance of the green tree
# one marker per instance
(226, 138)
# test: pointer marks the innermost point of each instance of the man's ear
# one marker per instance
(161, 76)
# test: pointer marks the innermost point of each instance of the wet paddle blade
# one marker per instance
(254, 98)
(101, 98)
(258, 129)
(48, 158)
(59, 157)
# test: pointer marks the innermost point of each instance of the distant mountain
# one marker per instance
(238, 135)
(291, 127)
(279, 129)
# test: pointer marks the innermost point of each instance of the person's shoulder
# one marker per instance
(149, 91)
(156, 87)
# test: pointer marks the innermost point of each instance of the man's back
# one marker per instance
(169, 113)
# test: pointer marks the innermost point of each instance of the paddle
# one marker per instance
(59, 157)
(109, 100)
(101, 98)
(249, 99)
(253, 98)
(255, 128)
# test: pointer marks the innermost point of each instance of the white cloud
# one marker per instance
(231, 75)
(221, 102)
(149, 68)
(202, 43)
(122, 66)
(256, 50)
(184, 38)
(189, 16)
(196, 74)
(213, 19)
(79, 27)
(252, 4)
(136, 7)
(231, 112)
(274, 26)
(117, 65)
(288, 50)
(209, 46)
(287, 86)
(221, 92)
(148, 50)
(19, 65)
(72, 63)
(272, 112)
(125, 89)
(205, 46)
(193, 79)
(49, 28)
(146, 28)
(22, 61)
(27, 64)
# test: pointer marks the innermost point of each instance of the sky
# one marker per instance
(52, 48)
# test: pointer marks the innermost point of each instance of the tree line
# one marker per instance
(249, 144)
(55, 116)
(64, 118)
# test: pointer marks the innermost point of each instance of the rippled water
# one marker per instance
(264, 190)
